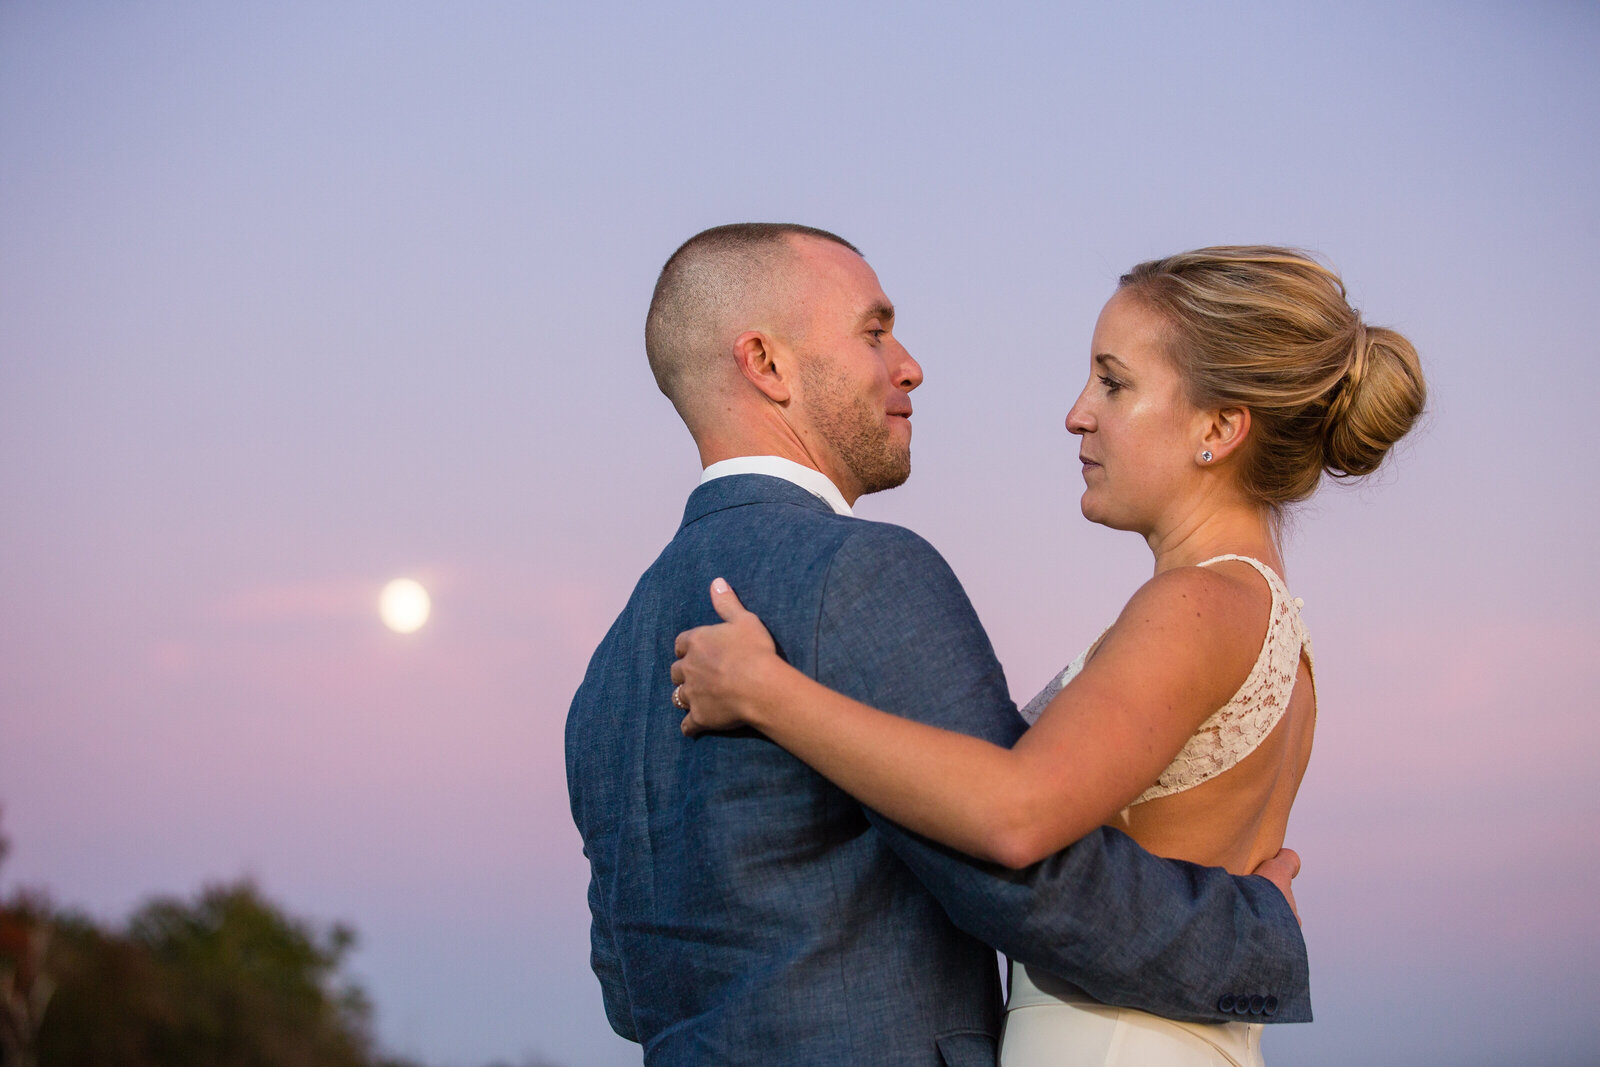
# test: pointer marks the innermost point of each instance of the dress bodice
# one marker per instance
(1236, 729)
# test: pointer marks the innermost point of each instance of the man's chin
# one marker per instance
(888, 476)
(895, 482)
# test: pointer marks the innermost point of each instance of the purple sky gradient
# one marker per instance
(296, 298)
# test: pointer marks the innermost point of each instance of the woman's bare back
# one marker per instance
(1236, 820)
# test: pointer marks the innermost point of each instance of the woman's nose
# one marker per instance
(1079, 420)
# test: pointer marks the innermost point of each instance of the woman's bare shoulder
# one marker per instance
(1194, 618)
(1224, 595)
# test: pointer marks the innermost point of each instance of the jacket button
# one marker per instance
(1241, 1005)
(1225, 1005)
(1270, 1008)
(1258, 1004)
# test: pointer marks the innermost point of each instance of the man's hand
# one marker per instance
(1281, 870)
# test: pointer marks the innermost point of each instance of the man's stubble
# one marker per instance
(856, 431)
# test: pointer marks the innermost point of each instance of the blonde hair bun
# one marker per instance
(1378, 402)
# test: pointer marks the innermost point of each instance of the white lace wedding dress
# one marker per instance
(1049, 1021)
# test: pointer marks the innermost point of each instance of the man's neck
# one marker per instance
(768, 433)
(808, 478)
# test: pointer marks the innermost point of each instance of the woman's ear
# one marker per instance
(1225, 431)
(757, 358)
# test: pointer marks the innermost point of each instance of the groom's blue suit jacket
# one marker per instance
(747, 911)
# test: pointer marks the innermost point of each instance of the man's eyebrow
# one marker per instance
(879, 311)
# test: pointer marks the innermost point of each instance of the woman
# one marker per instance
(1223, 382)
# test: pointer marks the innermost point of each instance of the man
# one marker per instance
(745, 909)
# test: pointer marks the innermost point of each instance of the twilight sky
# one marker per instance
(299, 297)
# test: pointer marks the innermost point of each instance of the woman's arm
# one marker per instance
(1179, 651)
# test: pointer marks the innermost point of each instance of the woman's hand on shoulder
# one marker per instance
(723, 671)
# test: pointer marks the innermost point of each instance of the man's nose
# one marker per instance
(908, 375)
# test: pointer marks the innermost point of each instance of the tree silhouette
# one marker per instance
(225, 980)
(24, 986)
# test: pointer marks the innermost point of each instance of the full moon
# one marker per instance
(404, 606)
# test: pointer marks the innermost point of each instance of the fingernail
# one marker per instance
(719, 586)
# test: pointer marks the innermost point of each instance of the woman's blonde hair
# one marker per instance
(1269, 329)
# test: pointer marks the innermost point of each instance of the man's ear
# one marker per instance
(757, 358)
(1225, 432)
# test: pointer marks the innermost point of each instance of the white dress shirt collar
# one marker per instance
(812, 481)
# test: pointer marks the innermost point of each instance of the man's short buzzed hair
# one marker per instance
(713, 274)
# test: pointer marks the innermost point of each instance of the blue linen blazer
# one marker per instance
(745, 910)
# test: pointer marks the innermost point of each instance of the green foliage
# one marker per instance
(24, 990)
(227, 980)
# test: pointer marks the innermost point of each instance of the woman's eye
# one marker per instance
(1111, 384)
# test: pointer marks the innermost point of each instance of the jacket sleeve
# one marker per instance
(896, 631)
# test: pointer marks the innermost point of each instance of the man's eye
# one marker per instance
(877, 335)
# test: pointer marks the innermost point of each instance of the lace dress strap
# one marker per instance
(1238, 727)
(1280, 596)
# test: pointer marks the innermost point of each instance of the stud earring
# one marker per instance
(1205, 457)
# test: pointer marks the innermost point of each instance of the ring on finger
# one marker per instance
(677, 698)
